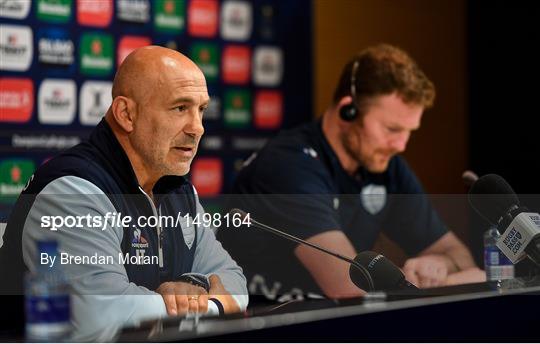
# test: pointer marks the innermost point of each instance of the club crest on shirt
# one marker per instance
(188, 231)
(373, 198)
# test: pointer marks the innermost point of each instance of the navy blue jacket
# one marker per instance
(95, 178)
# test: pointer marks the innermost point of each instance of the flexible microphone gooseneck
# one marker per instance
(365, 283)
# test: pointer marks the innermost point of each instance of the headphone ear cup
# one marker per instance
(348, 112)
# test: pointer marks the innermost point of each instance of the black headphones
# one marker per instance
(349, 112)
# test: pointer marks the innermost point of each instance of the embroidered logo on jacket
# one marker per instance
(188, 231)
(373, 198)
(138, 240)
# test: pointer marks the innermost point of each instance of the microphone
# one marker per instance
(386, 275)
(469, 177)
(494, 199)
(363, 279)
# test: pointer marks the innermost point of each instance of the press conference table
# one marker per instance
(492, 311)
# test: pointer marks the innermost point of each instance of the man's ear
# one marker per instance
(124, 112)
(344, 101)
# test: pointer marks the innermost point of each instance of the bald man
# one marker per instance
(133, 165)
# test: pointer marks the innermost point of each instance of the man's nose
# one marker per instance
(399, 144)
(195, 125)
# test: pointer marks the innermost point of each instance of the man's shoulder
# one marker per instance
(76, 161)
(301, 134)
(292, 162)
(297, 146)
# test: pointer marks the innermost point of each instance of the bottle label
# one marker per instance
(494, 256)
(497, 265)
(47, 309)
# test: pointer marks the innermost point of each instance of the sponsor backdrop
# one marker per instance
(58, 59)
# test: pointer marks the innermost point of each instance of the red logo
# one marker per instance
(203, 18)
(94, 13)
(96, 47)
(268, 109)
(207, 176)
(16, 174)
(236, 64)
(16, 100)
(169, 7)
(128, 44)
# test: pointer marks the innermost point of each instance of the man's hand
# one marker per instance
(218, 291)
(426, 271)
(181, 298)
(470, 275)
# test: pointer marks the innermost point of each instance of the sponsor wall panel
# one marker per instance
(58, 59)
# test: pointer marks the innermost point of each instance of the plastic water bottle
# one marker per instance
(497, 265)
(47, 301)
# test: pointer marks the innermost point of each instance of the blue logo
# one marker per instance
(56, 50)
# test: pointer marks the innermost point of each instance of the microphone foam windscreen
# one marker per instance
(385, 274)
(491, 196)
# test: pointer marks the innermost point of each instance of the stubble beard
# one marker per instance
(370, 163)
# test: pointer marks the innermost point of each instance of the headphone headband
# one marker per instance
(349, 112)
(353, 79)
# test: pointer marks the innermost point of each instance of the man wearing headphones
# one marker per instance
(347, 163)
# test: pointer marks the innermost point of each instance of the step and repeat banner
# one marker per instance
(58, 59)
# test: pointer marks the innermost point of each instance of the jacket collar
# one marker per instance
(117, 162)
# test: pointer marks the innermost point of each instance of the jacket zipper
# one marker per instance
(158, 227)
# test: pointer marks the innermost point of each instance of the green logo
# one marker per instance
(206, 57)
(13, 177)
(169, 15)
(96, 54)
(237, 108)
(56, 11)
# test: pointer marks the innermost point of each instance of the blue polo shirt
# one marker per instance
(296, 184)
